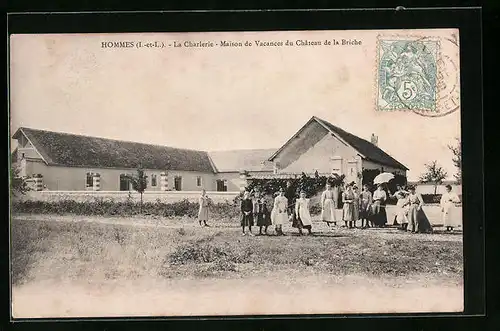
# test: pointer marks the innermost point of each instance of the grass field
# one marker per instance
(117, 262)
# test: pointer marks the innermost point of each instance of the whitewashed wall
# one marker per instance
(429, 189)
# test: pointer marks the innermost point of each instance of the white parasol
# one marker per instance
(384, 177)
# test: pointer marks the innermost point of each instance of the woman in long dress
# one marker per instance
(203, 209)
(263, 216)
(348, 206)
(246, 213)
(291, 196)
(280, 214)
(401, 210)
(417, 220)
(303, 218)
(255, 205)
(365, 201)
(448, 209)
(378, 213)
(355, 204)
(328, 206)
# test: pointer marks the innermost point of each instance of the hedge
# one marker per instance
(184, 208)
(109, 207)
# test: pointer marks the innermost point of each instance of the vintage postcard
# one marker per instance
(236, 173)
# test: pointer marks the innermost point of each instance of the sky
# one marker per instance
(217, 98)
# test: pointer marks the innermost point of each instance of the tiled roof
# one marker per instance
(76, 150)
(366, 148)
(244, 159)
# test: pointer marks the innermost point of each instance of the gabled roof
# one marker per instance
(243, 159)
(366, 149)
(66, 149)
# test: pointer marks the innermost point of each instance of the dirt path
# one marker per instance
(178, 223)
(310, 295)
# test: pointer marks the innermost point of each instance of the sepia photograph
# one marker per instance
(235, 173)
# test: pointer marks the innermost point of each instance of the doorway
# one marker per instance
(178, 183)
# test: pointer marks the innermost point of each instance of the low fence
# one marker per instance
(429, 189)
(121, 196)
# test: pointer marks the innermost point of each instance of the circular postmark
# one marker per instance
(447, 80)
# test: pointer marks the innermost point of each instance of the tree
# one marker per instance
(139, 182)
(457, 159)
(433, 174)
(17, 183)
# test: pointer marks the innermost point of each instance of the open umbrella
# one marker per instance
(384, 177)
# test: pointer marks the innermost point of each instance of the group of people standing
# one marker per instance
(255, 210)
(362, 206)
(370, 208)
(356, 206)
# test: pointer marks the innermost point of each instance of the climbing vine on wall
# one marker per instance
(310, 184)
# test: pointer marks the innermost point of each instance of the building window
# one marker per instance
(22, 155)
(276, 167)
(336, 165)
(153, 180)
(221, 185)
(178, 183)
(90, 180)
(198, 181)
(124, 183)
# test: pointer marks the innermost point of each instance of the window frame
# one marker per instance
(176, 178)
(89, 175)
(125, 178)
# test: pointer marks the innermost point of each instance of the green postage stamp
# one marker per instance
(407, 73)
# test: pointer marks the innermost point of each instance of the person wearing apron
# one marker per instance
(203, 210)
(401, 209)
(448, 209)
(303, 219)
(328, 206)
(280, 212)
(379, 215)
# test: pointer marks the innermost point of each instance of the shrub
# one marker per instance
(196, 252)
(311, 185)
(103, 207)
(431, 198)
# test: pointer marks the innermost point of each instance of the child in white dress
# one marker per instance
(303, 219)
(279, 212)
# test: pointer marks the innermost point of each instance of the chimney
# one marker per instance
(374, 139)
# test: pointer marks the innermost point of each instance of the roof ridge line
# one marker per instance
(112, 139)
